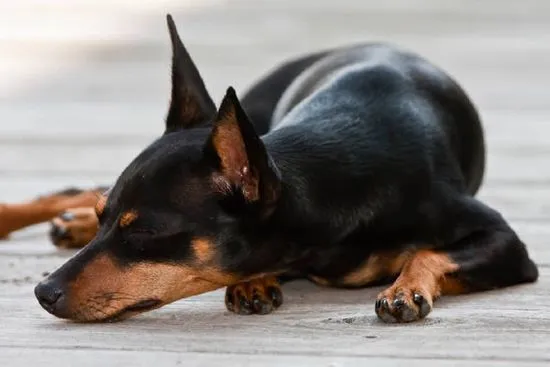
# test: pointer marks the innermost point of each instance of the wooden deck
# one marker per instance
(85, 87)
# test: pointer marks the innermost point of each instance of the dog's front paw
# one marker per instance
(402, 304)
(74, 228)
(258, 296)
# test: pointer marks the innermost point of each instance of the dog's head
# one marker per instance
(182, 219)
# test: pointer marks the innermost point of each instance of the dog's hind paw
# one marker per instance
(74, 228)
(259, 296)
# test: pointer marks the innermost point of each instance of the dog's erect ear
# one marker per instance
(244, 163)
(191, 104)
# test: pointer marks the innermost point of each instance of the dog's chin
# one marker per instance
(130, 311)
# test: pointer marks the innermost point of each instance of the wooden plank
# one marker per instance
(64, 357)
(311, 318)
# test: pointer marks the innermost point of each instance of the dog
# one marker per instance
(367, 176)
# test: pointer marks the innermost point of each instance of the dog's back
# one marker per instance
(380, 82)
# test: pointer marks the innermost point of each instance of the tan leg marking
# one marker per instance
(425, 276)
(17, 216)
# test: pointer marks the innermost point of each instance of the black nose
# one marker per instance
(47, 294)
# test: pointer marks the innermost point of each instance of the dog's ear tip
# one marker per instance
(177, 45)
(229, 101)
(226, 103)
(171, 27)
(230, 92)
(229, 97)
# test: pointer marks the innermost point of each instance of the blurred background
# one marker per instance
(84, 84)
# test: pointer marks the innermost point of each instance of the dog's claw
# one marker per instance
(276, 296)
(398, 302)
(229, 300)
(58, 232)
(245, 308)
(67, 216)
(260, 307)
(425, 307)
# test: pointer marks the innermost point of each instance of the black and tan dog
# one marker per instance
(367, 175)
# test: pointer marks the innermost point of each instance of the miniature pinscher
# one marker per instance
(367, 175)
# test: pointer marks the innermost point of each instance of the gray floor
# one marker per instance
(85, 88)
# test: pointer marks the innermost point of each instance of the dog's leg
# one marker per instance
(424, 277)
(258, 296)
(17, 216)
(491, 256)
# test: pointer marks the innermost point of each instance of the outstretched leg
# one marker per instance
(488, 256)
(17, 216)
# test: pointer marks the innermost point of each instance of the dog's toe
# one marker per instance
(58, 233)
(423, 304)
(265, 300)
(237, 301)
(260, 296)
(383, 310)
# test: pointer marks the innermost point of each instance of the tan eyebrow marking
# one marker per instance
(127, 218)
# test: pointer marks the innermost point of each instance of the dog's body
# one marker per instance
(376, 148)
(367, 174)
(381, 152)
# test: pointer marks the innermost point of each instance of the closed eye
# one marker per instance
(140, 235)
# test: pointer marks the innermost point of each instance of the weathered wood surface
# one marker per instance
(84, 87)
